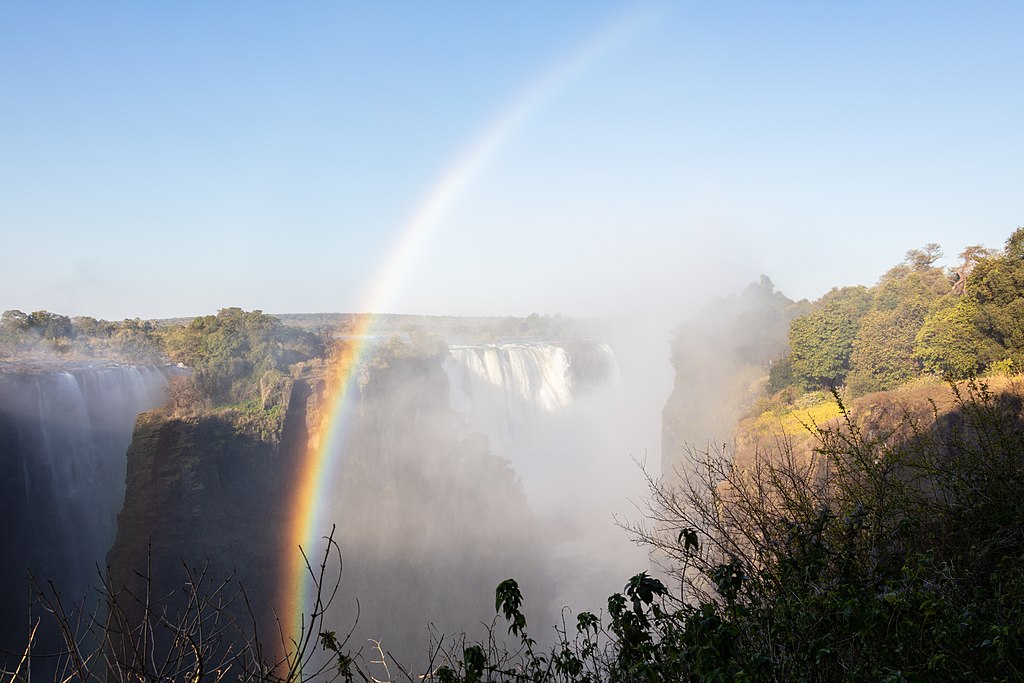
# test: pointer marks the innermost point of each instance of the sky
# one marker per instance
(584, 158)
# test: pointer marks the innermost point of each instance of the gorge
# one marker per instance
(446, 486)
(468, 461)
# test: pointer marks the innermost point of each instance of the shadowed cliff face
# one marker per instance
(567, 417)
(203, 492)
(429, 521)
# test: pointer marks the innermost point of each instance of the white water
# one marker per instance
(503, 387)
(556, 413)
(64, 433)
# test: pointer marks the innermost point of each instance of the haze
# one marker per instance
(170, 160)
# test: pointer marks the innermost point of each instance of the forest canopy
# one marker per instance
(918, 320)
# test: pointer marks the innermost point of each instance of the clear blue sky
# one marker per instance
(167, 159)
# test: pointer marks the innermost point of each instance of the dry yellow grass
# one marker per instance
(798, 420)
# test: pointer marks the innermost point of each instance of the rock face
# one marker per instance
(429, 522)
(722, 357)
(555, 411)
(894, 419)
(205, 492)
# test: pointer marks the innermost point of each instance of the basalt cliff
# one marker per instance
(428, 521)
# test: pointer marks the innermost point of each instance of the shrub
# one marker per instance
(876, 554)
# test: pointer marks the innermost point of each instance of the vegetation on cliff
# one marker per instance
(919, 320)
(241, 362)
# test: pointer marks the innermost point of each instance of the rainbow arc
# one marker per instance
(322, 459)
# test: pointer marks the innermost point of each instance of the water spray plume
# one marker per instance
(321, 460)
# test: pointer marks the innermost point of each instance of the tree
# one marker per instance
(86, 326)
(901, 284)
(995, 284)
(970, 256)
(949, 344)
(19, 331)
(51, 325)
(14, 322)
(883, 350)
(236, 354)
(821, 342)
(925, 257)
(1014, 249)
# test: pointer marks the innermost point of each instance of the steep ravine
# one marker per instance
(429, 521)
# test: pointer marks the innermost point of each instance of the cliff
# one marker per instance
(722, 357)
(429, 521)
(892, 419)
(204, 491)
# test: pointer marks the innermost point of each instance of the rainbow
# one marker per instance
(306, 524)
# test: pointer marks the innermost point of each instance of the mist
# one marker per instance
(491, 460)
(633, 167)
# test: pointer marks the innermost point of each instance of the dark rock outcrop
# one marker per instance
(429, 522)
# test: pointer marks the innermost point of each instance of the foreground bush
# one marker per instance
(876, 555)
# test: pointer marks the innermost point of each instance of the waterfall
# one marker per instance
(505, 389)
(64, 431)
(555, 412)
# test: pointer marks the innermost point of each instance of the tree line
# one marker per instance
(919, 320)
(234, 356)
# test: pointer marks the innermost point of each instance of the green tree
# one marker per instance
(996, 285)
(949, 343)
(901, 284)
(883, 350)
(925, 257)
(13, 327)
(137, 340)
(821, 342)
(238, 355)
(970, 257)
(86, 326)
(51, 325)
(224, 349)
(14, 322)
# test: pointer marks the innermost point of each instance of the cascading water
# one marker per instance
(502, 388)
(553, 410)
(64, 432)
